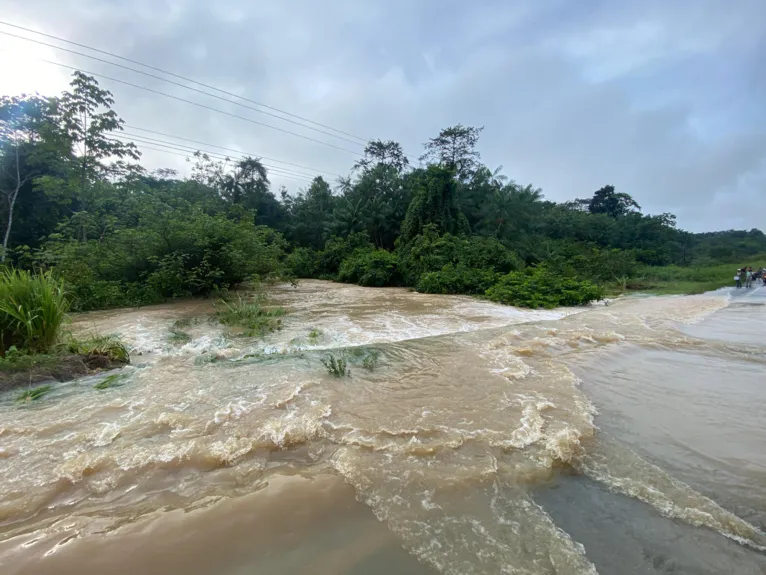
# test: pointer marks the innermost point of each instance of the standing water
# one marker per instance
(468, 438)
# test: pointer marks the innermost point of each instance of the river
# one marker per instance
(619, 439)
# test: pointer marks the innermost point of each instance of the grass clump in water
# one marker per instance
(179, 337)
(110, 381)
(34, 394)
(336, 366)
(314, 335)
(33, 308)
(255, 319)
(370, 361)
(108, 347)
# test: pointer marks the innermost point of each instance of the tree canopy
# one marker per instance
(74, 199)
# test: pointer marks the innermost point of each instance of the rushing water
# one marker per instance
(622, 439)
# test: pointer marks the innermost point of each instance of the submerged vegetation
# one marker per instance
(251, 316)
(336, 366)
(107, 233)
(110, 381)
(34, 393)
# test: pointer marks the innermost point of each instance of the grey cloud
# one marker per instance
(661, 99)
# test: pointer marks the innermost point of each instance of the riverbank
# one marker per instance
(69, 361)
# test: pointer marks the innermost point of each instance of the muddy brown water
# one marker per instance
(486, 439)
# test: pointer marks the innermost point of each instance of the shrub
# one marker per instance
(173, 253)
(32, 310)
(458, 279)
(540, 288)
(338, 249)
(430, 252)
(303, 263)
(372, 268)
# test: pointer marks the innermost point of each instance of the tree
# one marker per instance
(607, 201)
(86, 114)
(455, 149)
(434, 201)
(21, 150)
(388, 153)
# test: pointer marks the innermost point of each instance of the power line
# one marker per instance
(105, 77)
(131, 127)
(191, 157)
(181, 85)
(155, 141)
(180, 78)
(189, 152)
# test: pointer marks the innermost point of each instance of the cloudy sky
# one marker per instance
(663, 99)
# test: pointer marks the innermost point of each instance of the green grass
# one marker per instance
(679, 280)
(370, 361)
(33, 308)
(34, 394)
(255, 319)
(314, 334)
(17, 361)
(107, 346)
(110, 381)
(336, 366)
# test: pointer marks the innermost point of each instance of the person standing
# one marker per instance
(749, 277)
(737, 279)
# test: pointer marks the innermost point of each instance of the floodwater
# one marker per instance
(618, 439)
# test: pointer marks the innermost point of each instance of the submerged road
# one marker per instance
(755, 295)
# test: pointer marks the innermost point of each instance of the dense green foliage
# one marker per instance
(32, 310)
(76, 203)
(542, 288)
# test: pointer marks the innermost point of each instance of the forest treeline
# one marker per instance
(76, 202)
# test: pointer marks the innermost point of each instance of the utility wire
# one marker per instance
(160, 78)
(156, 142)
(156, 133)
(156, 69)
(105, 77)
(191, 157)
(189, 152)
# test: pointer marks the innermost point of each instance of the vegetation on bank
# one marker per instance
(105, 233)
(33, 311)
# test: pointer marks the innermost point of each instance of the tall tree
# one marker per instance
(614, 204)
(24, 125)
(434, 201)
(388, 153)
(85, 112)
(455, 149)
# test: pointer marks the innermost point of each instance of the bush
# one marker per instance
(174, 253)
(458, 279)
(430, 252)
(32, 310)
(338, 249)
(540, 288)
(371, 268)
(303, 263)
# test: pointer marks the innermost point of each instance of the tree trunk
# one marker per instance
(11, 205)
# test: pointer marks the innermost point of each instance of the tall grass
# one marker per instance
(33, 308)
(252, 316)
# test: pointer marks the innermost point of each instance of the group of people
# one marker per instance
(746, 276)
